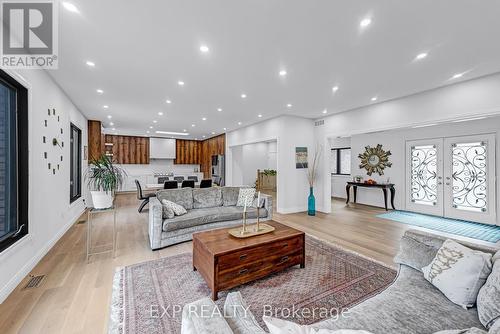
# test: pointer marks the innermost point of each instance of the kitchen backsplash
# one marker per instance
(160, 166)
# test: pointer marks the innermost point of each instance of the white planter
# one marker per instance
(102, 199)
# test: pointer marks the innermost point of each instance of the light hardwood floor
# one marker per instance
(74, 297)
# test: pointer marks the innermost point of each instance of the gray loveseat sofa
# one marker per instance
(207, 209)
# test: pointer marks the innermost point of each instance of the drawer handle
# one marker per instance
(283, 259)
(243, 271)
(285, 245)
(243, 257)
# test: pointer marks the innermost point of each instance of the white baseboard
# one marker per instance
(292, 209)
(26, 269)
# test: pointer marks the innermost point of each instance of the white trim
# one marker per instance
(26, 269)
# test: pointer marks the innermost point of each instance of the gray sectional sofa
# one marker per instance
(207, 209)
(411, 305)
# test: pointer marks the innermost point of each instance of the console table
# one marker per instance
(383, 186)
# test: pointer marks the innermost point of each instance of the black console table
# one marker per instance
(382, 186)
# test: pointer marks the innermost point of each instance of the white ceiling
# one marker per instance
(141, 49)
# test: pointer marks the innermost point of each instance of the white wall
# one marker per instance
(50, 213)
(288, 132)
(339, 181)
(252, 157)
(395, 141)
(465, 99)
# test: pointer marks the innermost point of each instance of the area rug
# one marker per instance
(463, 228)
(148, 297)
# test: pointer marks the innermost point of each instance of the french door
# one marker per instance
(452, 177)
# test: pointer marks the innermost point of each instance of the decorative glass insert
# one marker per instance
(469, 176)
(424, 174)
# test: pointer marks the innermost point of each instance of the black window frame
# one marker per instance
(337, 150)
(78, 182)
(21, 160)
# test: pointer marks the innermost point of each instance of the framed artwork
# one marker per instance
(375, 160)
(301, 157)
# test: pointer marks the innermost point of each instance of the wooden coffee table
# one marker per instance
(226, 262)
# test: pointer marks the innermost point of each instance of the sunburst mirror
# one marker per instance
(375, 160)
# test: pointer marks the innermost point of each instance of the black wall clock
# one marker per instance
(53, 141)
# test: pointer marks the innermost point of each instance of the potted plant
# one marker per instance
(103, 179)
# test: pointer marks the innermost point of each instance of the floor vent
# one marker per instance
(34, 282)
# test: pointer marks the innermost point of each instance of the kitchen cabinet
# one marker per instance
(162, 148)
(187, 152)
(127, 149)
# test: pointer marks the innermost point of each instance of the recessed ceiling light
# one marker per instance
(105, 106)
(213, 132)
(113, 129)
(468, 119)
(204, 49)
(219, 109)
(458, 75)
(224, 129)
(155, 121)
(203, 118)
(160, 113)
(196, 139)
(282, 73)
(111, 123)
(193, 125)
(70, 7)
(335, 88)
(325, 111)
(374, 98)
(259, 115)
(184, 130)
(150, 127)
(172, 133)
(365, 22)
(421, 56)
(168, 101)
(204, 136)
(180, 83)
(289, 105)
(243, 96)
(99, 91)
(147, 131)
(90, 63)
(239, 123)
(109, 116)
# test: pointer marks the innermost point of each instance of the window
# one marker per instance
(75, 181)
(340, 161)
(13, 161)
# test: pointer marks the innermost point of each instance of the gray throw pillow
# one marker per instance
(238, 315)
(488, 299)
(167, 212)
(181, 196)
(414, 253)
(230, 196)
(472, 330)
(207, 197)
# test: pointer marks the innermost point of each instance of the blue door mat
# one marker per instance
(490, 233)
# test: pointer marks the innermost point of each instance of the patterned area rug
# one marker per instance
(463, 228)
(148, 297)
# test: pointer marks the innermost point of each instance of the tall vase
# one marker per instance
(311, 203)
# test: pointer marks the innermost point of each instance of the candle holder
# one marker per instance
(244, 227)
(257, 225)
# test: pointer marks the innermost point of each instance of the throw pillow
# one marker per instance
(279, 326)
(472, 330)
(245, 196)
(458, 272)
(414, 253)
(238, 315)
(488, 299)
(176, 208)
(167, 212)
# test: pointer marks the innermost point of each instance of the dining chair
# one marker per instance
(162, 179)
(188, 184)
(179, 178)
(194, 178)
(206, 183)
(142, 197)
(171, 184)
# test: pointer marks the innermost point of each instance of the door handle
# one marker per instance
(439, 183)
(447, 183)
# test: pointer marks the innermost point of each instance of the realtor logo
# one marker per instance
(29, 35)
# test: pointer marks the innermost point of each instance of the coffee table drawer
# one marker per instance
(237, 259)
(258, 269)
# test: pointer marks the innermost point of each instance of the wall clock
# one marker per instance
(375, 160)
(53, 141)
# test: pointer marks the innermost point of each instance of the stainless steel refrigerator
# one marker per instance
(218, 170)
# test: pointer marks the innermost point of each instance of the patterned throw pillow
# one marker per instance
(246, 195)
(176, 208)
(167, 212)
(458, 272)
(488, 299)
